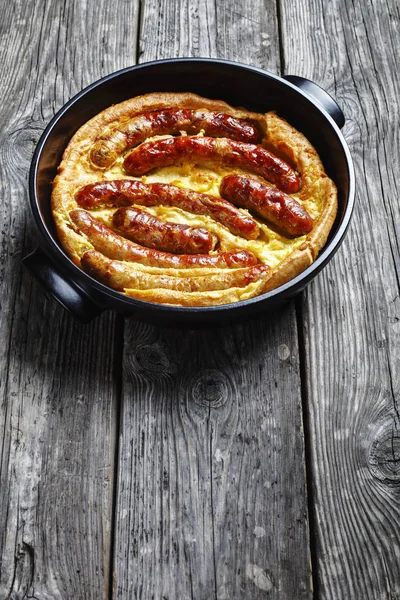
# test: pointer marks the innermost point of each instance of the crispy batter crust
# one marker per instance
(286, 256)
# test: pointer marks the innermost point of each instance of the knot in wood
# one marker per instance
(153, 358)
(210, 388)
(385, 456)
(22, 141)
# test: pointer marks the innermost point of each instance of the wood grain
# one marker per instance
(241, 31)
(211, 487)
(210, 501)
(58, 389)
(352, 311)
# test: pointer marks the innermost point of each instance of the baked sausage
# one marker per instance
(125, 192)
(268, 202)
(141, 227)
(109, 146)
(117, 247)
(119, 276)
(170, 151)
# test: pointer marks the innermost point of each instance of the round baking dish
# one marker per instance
(304, 104)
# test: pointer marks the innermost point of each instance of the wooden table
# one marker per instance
(246, 462)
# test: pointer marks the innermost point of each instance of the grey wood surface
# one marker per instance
(211, 496)
(58, 385)
(142, 462)
(351, 318)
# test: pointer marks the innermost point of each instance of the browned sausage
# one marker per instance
(170, 151)
(125, 192)
(108, 147)
(268, 202)
(119, 275)
(115, 246)
(141, 227)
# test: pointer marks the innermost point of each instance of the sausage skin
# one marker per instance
(170, 151)
(119, 276)
(125, 192)
(117, 247)
(142, 228)
(108, 147)
(268, 202)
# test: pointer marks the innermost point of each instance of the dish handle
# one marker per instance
(70, 296)
(318, 94)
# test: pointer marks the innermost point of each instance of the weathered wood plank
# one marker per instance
(352, 311)
(211, 487)
(241, 31)
(58, 396)
(211, 493)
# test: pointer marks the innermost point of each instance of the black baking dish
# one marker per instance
(304, 104)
